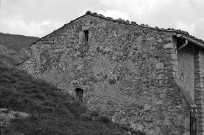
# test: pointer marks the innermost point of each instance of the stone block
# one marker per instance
(160, 65)
(175, 75)
(170, 51)
(175, 62)
(147, 107)
(174, 56)
(186, 133)
(186, 123)
(169, 45)
(85, 28)
(160, 76)
(175, 68)
(167, 121)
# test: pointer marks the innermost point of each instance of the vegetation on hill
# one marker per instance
(52, 112)
(16, 42)
(14, 48)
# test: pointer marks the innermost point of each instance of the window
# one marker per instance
(86, 32)
(79, 94)
(83, 36)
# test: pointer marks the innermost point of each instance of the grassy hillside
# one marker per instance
(16, 42)
(9, 60)
(13, 58)
(14, 48)
(52, 112)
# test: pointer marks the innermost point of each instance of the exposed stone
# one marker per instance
(160, 65)
(147, 107)
(174, 56)
(159, 102)
(175, 68)
(174, 62)
(167, 121)
(186, 123)
(186, 133)
(79, 67)
(6, 115)
(85, 28)
(167, 46)
(160, 76)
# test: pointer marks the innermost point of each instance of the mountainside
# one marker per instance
(16, 42)
(14, 48)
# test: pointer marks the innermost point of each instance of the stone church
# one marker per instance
(145, 78)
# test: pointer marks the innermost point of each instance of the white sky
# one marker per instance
(40, 17)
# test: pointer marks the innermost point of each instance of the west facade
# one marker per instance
(145, 78)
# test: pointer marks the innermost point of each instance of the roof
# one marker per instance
(178, 33)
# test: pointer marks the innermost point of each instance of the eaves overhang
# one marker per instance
(199, 43)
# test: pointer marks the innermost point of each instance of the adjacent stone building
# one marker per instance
(145, 78)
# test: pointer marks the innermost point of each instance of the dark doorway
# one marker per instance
(193, 122)
(79, 94)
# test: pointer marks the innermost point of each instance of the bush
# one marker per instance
(86, 117)
(94, 113)
(104, 119)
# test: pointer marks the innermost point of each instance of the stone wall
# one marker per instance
(177, 110)
(199, 93)
(126, 71)
(186, 69)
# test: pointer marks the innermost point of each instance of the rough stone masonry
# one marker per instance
(126, 72)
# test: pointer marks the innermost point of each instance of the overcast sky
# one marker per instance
(40, 17)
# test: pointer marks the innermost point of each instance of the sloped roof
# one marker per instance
(178, 33)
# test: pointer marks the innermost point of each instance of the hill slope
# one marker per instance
(14, 48)
(16, 42)
(52, 112)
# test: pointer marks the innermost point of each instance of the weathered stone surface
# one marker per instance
(122, 70)
(6, 115)
(186, 123)
(169, 45)
(160, 65)
(174, 56)
(198, 93)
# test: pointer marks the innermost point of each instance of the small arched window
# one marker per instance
(79, 94)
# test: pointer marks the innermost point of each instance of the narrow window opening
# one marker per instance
(79, 94)
(83, 36)
(86, 32)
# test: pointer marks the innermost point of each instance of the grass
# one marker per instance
(52, 112)
(9, 60)
(16, 42)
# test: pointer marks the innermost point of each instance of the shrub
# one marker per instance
(94, 113)
(87, 117)
(104, 119)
